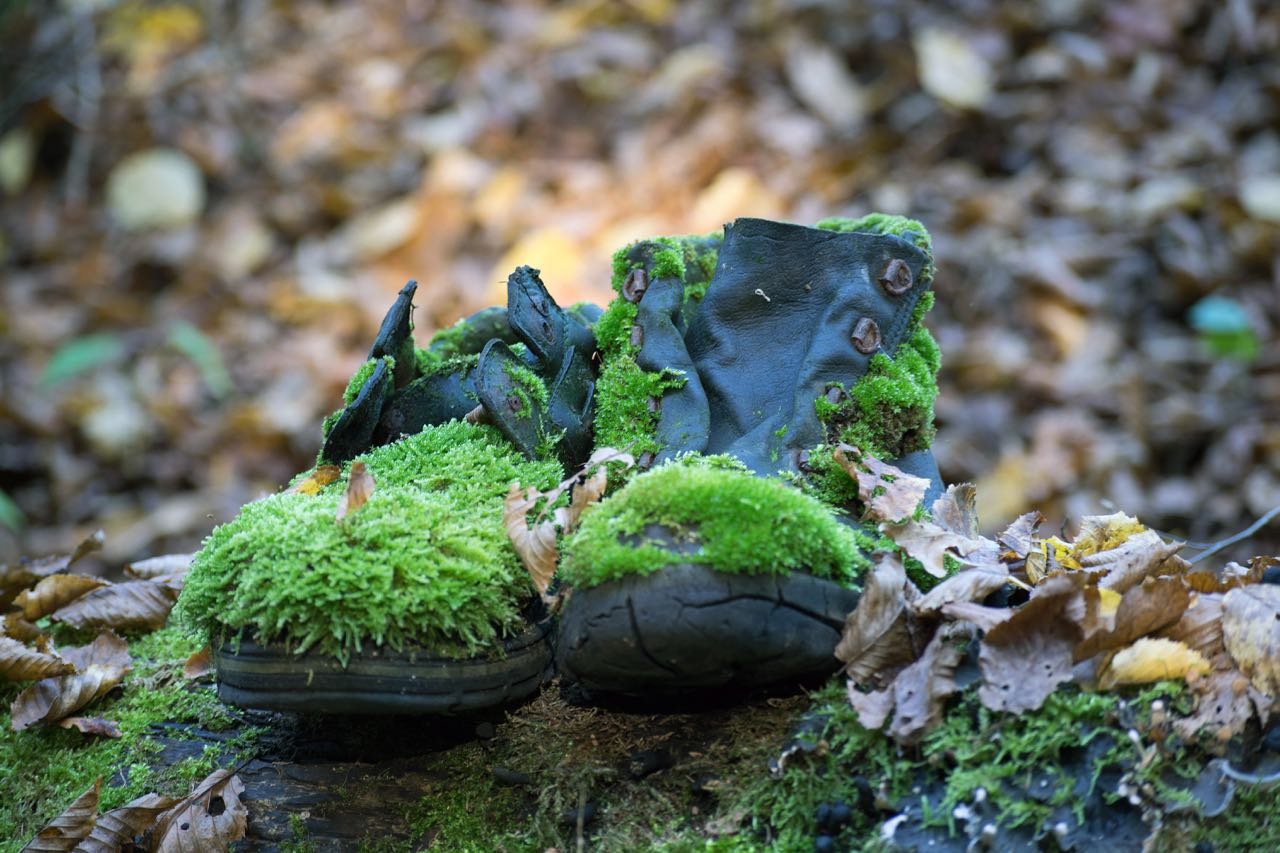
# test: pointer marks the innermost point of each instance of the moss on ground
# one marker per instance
(732, 521)
(426, 562)
(42, 770)
(361, 376)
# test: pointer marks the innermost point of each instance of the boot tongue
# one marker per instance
(790, 311)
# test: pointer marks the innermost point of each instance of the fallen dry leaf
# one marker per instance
(972, 583)
(359, 488)
(919, 691)
(1150, 659)
(1127, 564)
(54, 592)
(876, 639)
(100, 666)
(1024, 658)
(1251, 632)
(985, 618)
(20, 629)
(1105, 532)
(956, 510)
(93, 726)
(1143, 609)
(128, 606)
(1018, 538)
(167, 568)
(69, 828)
(1225, 702)
(887, 493)
(929, 543)
(322, 476)
(199, 664)
(536, 546)
(19, 662)
(119, 827)
(207, 820)
(1200, 626)
(14, 579)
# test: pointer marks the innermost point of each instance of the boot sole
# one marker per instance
(690, 628)
(382, 681)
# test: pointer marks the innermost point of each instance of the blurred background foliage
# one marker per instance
(206, 207)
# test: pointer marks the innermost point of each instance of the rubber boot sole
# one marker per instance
(382, 681)
(690, 628)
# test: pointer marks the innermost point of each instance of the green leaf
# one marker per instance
(80, 356)
(193, 343)
(11, 515)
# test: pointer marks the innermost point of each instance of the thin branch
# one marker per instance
(1239, 537)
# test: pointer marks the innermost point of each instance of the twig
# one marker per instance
(1239, 537)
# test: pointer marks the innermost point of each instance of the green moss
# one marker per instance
(426, 562)
(42, 770)
(529, 388)
(737, 523)
(361, 376)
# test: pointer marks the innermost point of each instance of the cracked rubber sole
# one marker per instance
(382, 681)
(689, 627)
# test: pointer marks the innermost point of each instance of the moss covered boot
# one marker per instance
(733, 364)
(414, 601)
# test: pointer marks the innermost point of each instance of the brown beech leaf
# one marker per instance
(322, 476)
(16, 578)
(99, 668)
(69, 828)
(1251, 631)
(985, 618)
(873, 708)
(887, 493)
(1128, 563)
(536, 546)
(1151, 659)
(1024, 658)
(1200, 626)
(54, 592)
(956, 510)
(876, 639)
(359, 488)
(199, 664)
(169, 569)
(15, 626)
(128, 606)
(119, 827)
(972, 583)
(1143, 609)
(19, 662)
(921, 689)
(929, 544)
(92, 726)
(207, 820)
(1018, 538)
(1225, 702)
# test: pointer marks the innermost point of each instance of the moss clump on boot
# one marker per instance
(426, 562)
(623, 418)
(729, 520)
(889, 411)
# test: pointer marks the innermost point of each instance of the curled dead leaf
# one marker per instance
(1225, 702)
(99, 667)
(972, 583)
(887, 493)
(54, 592)
(359, 489)
(1152, 659)
(1018, 538)
(929, 543)
(1251, 632)
(199, 664)
(207, 820)
(119, 827)
(15, 626)
(1024, 658)
(536, 545)
(1143, 609)
(169, 568)
(1125, 565)
(876, 640)
(13, 579)
(919, 691)
(128, 606)
(69, 828)
(956, 510)
(93, 726)
(19, 662)
(322, 476)
(1200, 626)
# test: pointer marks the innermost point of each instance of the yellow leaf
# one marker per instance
(359, 488)
(319, 478)
(1149, 660)
(1108, 601)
